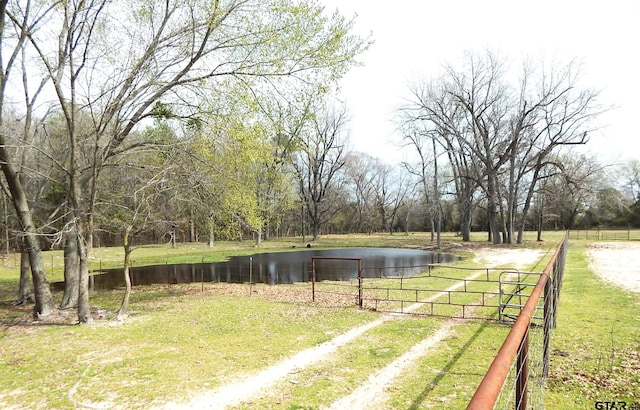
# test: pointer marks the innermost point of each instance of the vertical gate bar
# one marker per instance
(500, 295)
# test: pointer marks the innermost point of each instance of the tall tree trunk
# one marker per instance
(267, 229)
(465, 209)
(540, 216)
(506, 215)
(527, 204)
(315, 220)
(211, 240)
(42, 291)
(436, 194)
(432, 226)
(84, 311)
(25, 290)
(492, 210)
(81, 223)
(6, 224)
(71, 270)
(302, 222)
(44, 305)
(124, 307)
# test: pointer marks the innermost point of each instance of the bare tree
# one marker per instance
(552, 112)
(499, 136)
(359, 174)
(425, 169)
(434, 115)
(133, 190)
(17, 34)
(629, 172)
(566, 193)
(319, 163)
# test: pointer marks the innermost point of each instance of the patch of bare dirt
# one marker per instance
(516, 258)
(617, 262)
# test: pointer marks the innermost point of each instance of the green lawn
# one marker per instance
(596, 346)
(181, 341)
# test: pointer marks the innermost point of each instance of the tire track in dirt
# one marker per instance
(373, 392)
(252, 386)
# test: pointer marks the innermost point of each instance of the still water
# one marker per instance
(282, 267)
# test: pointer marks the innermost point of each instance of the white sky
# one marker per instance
(414, 38)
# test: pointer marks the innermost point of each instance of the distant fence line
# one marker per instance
(600, 234)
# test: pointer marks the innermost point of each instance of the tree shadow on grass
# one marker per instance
(417, 402)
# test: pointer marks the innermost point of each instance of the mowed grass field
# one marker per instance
(183, 340)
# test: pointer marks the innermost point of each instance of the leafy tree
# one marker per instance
(168, 52)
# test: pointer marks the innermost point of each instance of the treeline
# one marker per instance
(128, 123)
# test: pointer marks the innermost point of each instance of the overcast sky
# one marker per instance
(413, 39)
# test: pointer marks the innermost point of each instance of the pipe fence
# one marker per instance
(600, 234)
(440, 290)
(517, 376)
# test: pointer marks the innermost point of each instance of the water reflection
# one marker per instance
(282, 267)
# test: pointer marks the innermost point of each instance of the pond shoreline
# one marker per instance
(284, 267)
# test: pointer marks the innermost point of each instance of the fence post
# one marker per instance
(313, 279)
(548, 323)
(360, 283)
(522, 372)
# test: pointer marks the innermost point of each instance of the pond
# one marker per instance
(282, 267)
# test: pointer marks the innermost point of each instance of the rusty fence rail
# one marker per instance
(441, 290)
(516, 378)
(445, 291)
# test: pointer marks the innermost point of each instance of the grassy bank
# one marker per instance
(182, 340)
